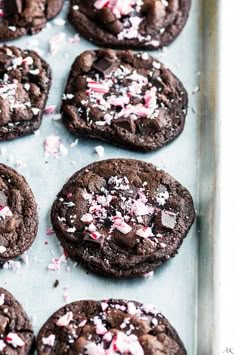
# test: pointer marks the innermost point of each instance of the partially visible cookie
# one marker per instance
(107, 328)
(122, 217)
(127, 99)
(19, 17)
(16, 333)
(18, 214)
(25, 80)
(138, 24)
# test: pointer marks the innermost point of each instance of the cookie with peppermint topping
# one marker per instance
(137, 24)
(18, 214)
(126, 99)
(16, 332)
(122, 217)
(25, 80)
(108, 327)
(19, 18)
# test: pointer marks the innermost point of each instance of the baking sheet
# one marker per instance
(174, 287)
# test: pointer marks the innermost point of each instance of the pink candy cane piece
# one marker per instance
(28, 60)
(144, 232)
(87, 218)
(83, 323)
(99, 4)
(98, 87)
(1, 13)
(100, 329)
(65, 320)
(95, 235)
(52, 144)
(50, 340)
(104, 306)
(122, 227)
(5, 212)
(50, 109)
(119, 101)
(14, 340)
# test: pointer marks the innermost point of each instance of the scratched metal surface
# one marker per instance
(174, 287)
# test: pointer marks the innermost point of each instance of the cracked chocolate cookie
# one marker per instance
(122, 217)
(138, 24)
(25, 80)
(18, 214)
(106, 328)
(127, 99)
(16, 333)
(18, 18)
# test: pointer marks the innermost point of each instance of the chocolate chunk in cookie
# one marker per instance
(18, 214)
(122, 217)
(106, 328)
(139, 24)
(127, 99)
(16, 333)
(18, 18)
(25, 80)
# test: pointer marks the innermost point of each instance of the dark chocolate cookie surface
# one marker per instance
(19, 18)
(18, 214)
(122, 217)
(107, 328)
(127, 99)
(25, 80)
(139, 24)
(16, 333)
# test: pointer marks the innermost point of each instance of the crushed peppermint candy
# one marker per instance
(14, 340)
(5, 212)
(50, 340)
(2, 345)
(2, 299)
(136, 99)
(65, 320)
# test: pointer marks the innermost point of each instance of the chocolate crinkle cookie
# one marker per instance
(108, 327)
(127, 99)
(21, 17)
(138, 24)
(18, 214)
(16, 333)
(25, 80)
(122, 217)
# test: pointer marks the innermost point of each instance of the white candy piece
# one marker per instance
(2, 249)
(14, 340)
(5, 212)
(50, 340)
(144, 232)
(65, 320)
(87, 218)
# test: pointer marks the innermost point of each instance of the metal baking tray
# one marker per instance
(182, 289)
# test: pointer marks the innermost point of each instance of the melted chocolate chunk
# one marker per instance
(12, 7)
(105, 66)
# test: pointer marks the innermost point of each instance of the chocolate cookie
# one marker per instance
(18, 214)
(19, 17)
(122, 217)
(25, 80)
(106, 328)
(16, 333)
(127, 99)
(139, 24)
